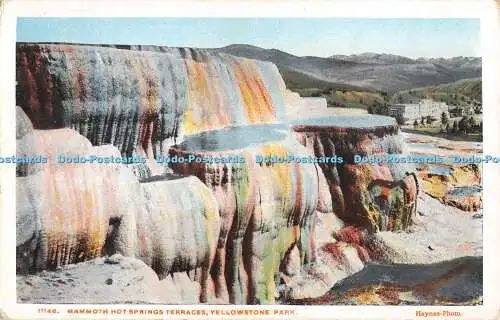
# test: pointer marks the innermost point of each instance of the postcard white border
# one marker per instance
(487, 11)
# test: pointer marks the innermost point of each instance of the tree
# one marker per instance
(448, 128)
(429, 120)
(455, 126)
(444, 118)
(400, 120)
(463, 125)
(415, 123)
(472, 124)
(422, 121)
(370, 110)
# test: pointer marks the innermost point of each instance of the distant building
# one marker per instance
(417, 109)
(462, 111)
(457, 112)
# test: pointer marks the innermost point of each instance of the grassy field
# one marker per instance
(459, 93)
(340, 97)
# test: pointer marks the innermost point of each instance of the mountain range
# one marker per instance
(380, 72)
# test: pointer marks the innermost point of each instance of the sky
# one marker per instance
(320, 37)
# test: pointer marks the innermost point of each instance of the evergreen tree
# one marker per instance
(471, 124)
(463, 125)
(400, 120)
(444, 118)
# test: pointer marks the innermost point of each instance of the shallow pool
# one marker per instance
(361, 121)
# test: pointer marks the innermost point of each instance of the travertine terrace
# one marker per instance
(241, 233)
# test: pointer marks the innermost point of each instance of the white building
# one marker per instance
(418, 109)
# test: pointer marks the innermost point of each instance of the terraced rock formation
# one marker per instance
(69, 213)
(375, 196)
(266, 209)
(142, 102)
(241, 232)
(455, 184)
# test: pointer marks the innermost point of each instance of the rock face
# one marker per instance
(68, 213)
(371, 195)
(61, 214)
(177, 230)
